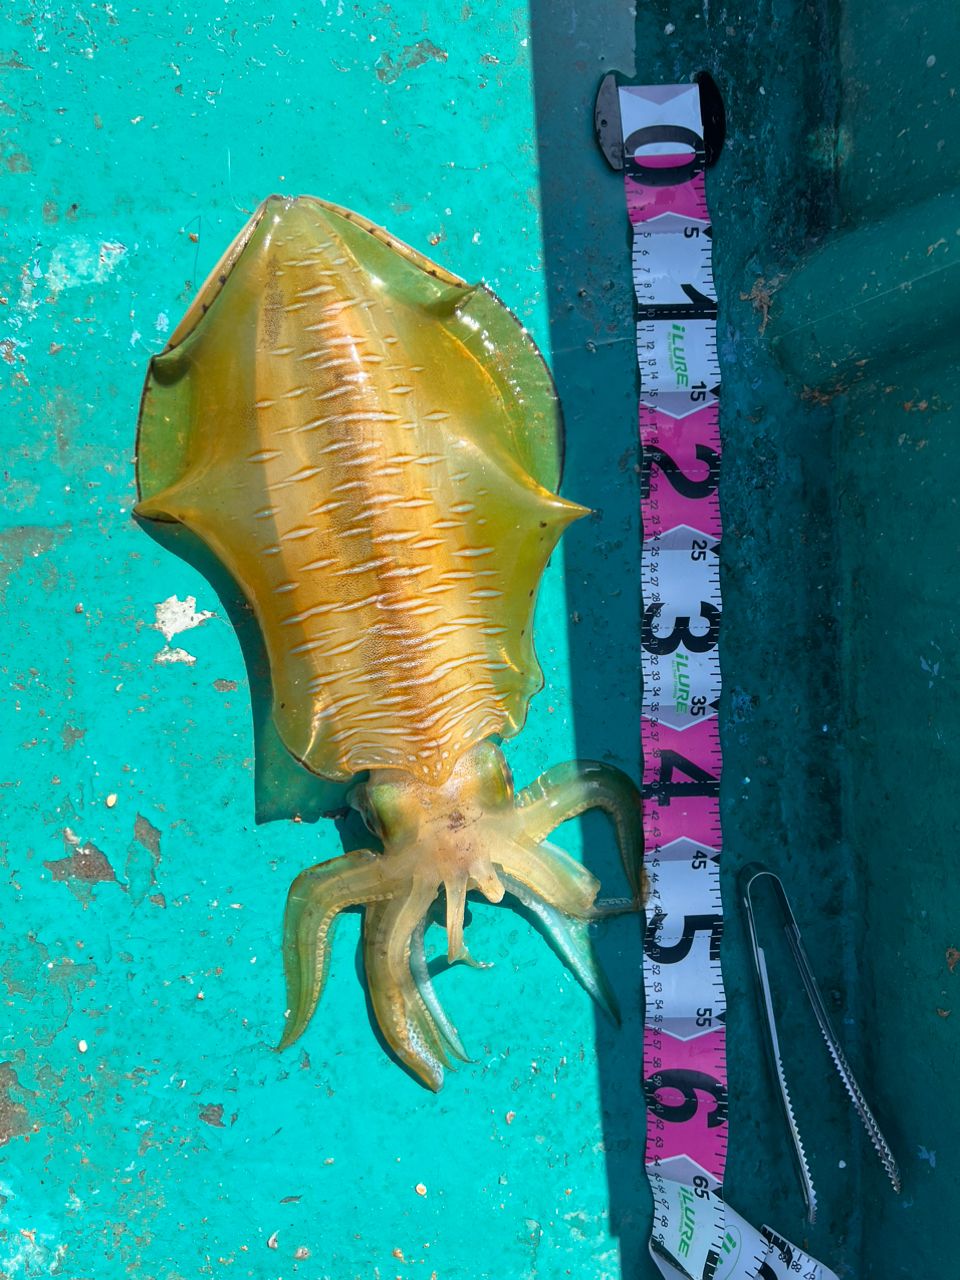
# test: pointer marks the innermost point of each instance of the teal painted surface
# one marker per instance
(127, 134)
(899, 529)
(152, 1130)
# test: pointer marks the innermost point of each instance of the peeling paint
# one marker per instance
(143, 862)
(25, 542)
(211, 1113)
(169, 656)
(14, 1118)
(175, 615)
(87, 863)
(390, 69)
(70, 735)
(145, 833)
(82, 262)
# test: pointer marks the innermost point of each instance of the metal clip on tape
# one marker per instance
(747, 880)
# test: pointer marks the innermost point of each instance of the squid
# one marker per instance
(371, 447)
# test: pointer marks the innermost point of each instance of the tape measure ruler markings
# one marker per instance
(656, 134)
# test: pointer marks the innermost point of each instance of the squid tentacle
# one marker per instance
(456, 895)
(399, 1006)
(421, 976)
(551, 873)
(572, 941)
(316, 898)
(567, 790)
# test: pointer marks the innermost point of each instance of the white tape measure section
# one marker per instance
(692, 991)
(664, 264)
(680, 578)
(684, 1226)
(678, 359)
(749, 1254)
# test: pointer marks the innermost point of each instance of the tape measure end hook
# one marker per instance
(607, 124)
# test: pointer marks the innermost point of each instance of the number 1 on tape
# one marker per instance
(695, 1235)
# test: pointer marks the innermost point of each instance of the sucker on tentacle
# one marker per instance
(371, 448)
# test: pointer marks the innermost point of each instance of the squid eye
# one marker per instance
(370, 816)
(389, 811)
(494, 771)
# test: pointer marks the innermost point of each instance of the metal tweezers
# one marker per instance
(747, 879)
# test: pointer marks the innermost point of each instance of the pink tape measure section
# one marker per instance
(695, 1235)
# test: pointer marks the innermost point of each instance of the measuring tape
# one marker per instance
(695, 1235)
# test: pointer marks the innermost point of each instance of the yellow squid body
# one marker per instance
(357, 446)
(370, 446)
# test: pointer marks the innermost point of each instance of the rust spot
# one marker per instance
(50, 212)
(86, 863)
(211, 1113)
(225, 686)
(953, 956)
(8, 351)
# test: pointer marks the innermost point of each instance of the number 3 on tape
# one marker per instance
(695, 1235)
